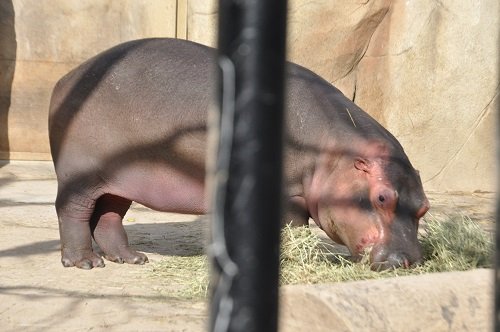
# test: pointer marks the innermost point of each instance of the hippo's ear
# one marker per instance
(362, 164)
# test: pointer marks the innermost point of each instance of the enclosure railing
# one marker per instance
(247, 177)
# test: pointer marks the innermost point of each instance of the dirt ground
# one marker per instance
(38, 294)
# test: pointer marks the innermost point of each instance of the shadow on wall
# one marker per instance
(8, 47)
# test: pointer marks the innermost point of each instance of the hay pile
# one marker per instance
(183, 277)
(452, 244)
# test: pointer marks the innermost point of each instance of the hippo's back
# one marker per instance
(141, 91)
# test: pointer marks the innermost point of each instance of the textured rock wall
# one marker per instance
(430, 75)
(425, 69)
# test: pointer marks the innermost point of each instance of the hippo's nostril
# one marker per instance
(393, 261)
(396, 260)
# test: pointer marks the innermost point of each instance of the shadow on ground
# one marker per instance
(169, 238)
(166, 239)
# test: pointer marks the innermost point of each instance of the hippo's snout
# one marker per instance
(382, 260)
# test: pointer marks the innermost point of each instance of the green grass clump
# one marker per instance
(183, 277)
(455, 244)
(305, 259)
(450, 244)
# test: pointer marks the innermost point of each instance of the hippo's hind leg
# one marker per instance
(74, 212)
(108, 232)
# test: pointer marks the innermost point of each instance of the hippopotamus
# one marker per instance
(130, 125)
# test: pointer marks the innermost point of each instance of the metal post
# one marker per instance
(246, 203)
(496, 315)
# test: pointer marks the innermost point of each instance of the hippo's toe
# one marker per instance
(127, 255)
(86, 260)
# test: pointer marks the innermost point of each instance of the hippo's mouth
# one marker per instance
(366, 245)
(382, 257)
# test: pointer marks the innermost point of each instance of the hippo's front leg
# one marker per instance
(296, 213)
(108, 232)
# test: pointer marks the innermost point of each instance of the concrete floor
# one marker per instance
(37, 293)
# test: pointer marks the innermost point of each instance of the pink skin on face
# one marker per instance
(353, 201)
(339, 204)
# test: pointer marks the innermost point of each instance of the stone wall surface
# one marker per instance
(427, 70)
(451, 301)
(202, 22)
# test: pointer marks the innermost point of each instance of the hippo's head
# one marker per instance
(372, 198)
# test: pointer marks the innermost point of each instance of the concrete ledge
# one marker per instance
(38, 156)
(454, 301)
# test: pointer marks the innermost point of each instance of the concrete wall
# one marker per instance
(426, 69)
(41, 40)
(427, 302)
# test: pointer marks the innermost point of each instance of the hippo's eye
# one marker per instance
(386, 199)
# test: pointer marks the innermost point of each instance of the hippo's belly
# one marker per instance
(161, 188)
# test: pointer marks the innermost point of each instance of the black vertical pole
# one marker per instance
(496, 315)
(496, 304)
(247, 181)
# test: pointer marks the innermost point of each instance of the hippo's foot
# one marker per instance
(124, 254)
(108, 232)
(83, 259)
